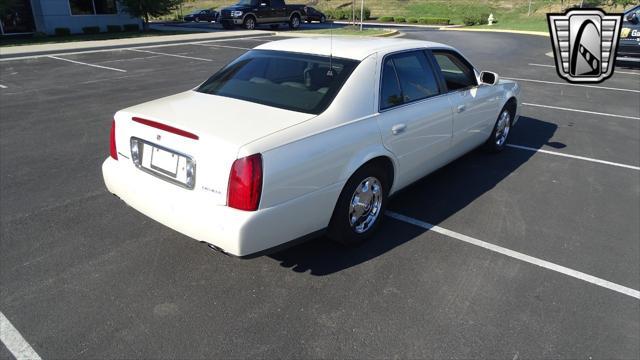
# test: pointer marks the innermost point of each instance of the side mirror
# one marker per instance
(632, 18)
(489, 78)
(263, 4)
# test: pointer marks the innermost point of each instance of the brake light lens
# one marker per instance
(112, 141)
(245, 183)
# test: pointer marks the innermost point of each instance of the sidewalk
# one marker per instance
(39, 49)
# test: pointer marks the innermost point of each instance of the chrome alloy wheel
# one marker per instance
(250, 24)
(365, 205)
(503, 127)
(295, 22)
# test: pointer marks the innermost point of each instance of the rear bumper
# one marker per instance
(238, 233)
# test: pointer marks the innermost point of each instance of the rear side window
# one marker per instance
(458, 74)
(285, 80)
(391, 94)
(407, 77)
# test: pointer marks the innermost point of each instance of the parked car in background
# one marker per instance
(250, 13)
(301, 142)
(314, 14)
(629, 45)
(208, 15)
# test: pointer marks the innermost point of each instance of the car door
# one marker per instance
(474, 106)
(629, 44)
(264, 13)
(279, 10)
(415, 119)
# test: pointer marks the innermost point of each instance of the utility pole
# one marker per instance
(353, 13)
(361, 14)
(529, 13)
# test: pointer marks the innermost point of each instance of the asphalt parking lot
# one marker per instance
(84, 276)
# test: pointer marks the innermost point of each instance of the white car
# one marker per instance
(304, 136)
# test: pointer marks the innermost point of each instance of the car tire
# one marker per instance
(360, 207)
(323, 19)
(294, 22)
(249, 23)
(196, 19)
(501, 130)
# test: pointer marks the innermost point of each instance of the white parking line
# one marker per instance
(225, 46)
(174, 55)
(87, 64)
(520, 147)
(519, 256)
(615, 71)
(15, 343)
(581, 111)
(569, 84)
(27, 57)
(2, 86)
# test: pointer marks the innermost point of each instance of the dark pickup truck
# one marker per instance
(249, 13)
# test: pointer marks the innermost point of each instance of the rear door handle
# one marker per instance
(461, 108)
(398, 129)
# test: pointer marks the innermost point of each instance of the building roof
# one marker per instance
(349, 47)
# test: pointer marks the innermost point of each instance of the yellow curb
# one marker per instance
(537, 33)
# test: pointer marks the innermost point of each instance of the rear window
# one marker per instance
(290, 81)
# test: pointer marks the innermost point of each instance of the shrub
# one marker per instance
(400, 19)
(412, 20)
(469, 20)
(131, 27)
(386, 19)
(62, 31)
(114, 28)
(433, 21)
(483, 19)
(91, 29)
(367, 13)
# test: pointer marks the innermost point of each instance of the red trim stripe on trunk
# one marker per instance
(166, 128)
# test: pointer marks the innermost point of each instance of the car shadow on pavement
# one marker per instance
(432, 199)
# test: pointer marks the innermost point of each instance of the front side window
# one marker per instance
(290, 81)
(407, 77)
(93, 7)
(458, 74)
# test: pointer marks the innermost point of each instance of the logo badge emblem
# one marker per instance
(584, 44)
(158, 137)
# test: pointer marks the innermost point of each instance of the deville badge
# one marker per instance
(584, 44)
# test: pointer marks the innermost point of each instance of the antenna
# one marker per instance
(330, 72)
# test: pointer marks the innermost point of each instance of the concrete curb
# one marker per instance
(436, 27)
(310, 34)
(61, 48)
(522, 32)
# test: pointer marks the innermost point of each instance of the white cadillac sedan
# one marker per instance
(304, 136)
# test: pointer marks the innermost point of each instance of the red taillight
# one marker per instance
(245, 183)
(112, 141)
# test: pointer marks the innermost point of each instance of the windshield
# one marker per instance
(246, 2)
(284, 80)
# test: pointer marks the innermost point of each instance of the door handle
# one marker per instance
(461, 108)
(398, 129)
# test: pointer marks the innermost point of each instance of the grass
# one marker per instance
(511, 14)
(35, 40)
(348, 30)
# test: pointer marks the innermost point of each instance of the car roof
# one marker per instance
(348, 47)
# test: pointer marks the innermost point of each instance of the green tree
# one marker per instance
(146, 9)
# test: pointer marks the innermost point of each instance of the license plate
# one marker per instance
(167, 164)
(164, 162)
